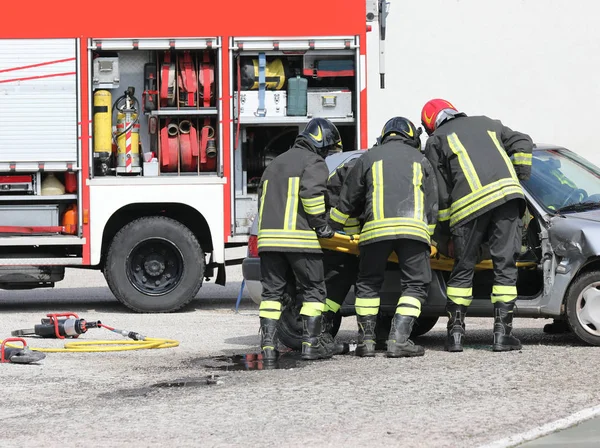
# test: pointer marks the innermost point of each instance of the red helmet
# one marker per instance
(431, 110)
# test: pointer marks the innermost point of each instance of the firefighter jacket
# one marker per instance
(292, 201)
(398, 188)
(478, 162)
(332, 197)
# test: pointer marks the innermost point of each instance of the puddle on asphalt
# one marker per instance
(209, 380)
(253, 361)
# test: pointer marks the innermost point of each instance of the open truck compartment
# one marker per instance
(278, 86)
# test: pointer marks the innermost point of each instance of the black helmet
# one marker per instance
(402, 127)
(323, 136)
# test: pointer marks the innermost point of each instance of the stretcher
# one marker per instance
(439, 262)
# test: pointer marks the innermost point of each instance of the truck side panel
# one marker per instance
(38, 106)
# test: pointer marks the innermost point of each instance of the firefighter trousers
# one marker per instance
(341, 271)
(415, 275)
(500, 226)
(307, 268)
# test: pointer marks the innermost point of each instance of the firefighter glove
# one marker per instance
(325, 231)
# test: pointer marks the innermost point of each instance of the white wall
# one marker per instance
(531, 63)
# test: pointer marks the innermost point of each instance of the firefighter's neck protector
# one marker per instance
(306, 143)
(414, 142)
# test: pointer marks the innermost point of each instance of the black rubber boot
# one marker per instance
(366, 336)
(328, 339)
(399, 345)
(503, 317)
(312, 344)
(456, 327)
(268, 339)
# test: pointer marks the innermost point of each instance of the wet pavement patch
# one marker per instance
(251, 361)
(210, 380)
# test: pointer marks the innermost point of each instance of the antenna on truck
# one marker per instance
(383, 11)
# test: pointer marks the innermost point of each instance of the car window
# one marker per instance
(560, 178)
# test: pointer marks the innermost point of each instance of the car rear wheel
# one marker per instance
(290, 325)
(583, 307)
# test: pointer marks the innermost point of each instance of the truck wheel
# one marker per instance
(154, 265)
(583, 307)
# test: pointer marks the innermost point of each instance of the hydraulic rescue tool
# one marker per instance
(71, 326)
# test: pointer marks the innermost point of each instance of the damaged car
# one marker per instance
(559, 264)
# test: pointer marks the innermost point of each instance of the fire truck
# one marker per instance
(134, 144)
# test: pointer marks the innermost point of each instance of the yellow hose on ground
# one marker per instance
(106, 346)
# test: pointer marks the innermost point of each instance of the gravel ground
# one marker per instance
(440, 400)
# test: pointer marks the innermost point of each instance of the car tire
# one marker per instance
(423, 325)
(586, 327)
(154, 265)
(290, 325)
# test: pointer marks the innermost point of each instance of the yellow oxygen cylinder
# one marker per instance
(102, 125)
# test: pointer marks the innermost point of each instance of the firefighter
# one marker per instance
(291, 217)
(479, 163)
(396, 187)
(341, 269)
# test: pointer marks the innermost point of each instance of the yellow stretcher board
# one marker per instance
(439, 262)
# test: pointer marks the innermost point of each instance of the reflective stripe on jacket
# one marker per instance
(292, 202)
(395, 186)
(478, 162)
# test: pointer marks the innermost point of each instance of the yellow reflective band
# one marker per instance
(488, 189)
(407, 300)
(291, 206)
(501, 289)
(393, 222)
(262, 202)
(419, 197)
(377, 170)
(338, 216)
(460, 300)
(313, 201)
(504, 299)
(465, 162)
(459, 292)
(444, 215)
(314, 210)
(370, 301)
(456, 217)
(395, 231)
(312, 308)
(352, 230)
(502, 151)
(431, 228)
(330, 305)
(367, 307)
(296, 244)
(352, 222)
(405, 311)
(521, 159)
(269, 314)
(270, 305)
(281, 233)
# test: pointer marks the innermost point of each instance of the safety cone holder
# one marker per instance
(3, 357)
(186, 143)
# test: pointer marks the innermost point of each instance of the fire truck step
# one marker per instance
(63, 261)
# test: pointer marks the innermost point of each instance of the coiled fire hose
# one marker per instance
(69, 325)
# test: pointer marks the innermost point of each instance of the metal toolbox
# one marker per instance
(329, 102)
(106, 73)
(275, 103)
(29, 215)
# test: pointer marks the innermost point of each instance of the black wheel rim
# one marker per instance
(155, 266)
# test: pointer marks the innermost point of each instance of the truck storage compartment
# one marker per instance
(279, 86)
(29, 215)
(155, 107)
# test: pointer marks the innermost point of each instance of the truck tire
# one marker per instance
(583, 307)
(154, 265)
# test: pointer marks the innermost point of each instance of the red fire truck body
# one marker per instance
(133, 143)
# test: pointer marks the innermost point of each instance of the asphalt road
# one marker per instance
(183, 397)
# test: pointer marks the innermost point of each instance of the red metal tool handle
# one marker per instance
(3, 347)
(54, 320)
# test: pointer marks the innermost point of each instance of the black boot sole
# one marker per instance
(453, 348)
(403, 354)
(506, 348)
(314, 357)
(368, 351)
